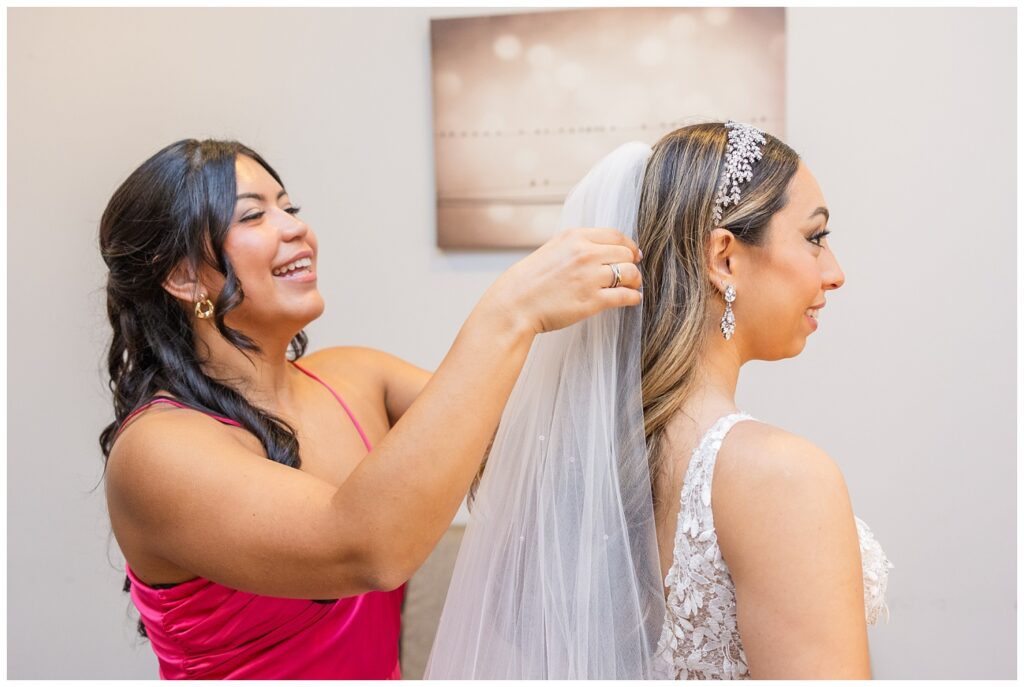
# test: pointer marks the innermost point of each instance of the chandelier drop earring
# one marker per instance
(743, 148)
(728, 323)
(204, 307)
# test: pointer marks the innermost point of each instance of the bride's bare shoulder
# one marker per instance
(771, 489)
(754, 451)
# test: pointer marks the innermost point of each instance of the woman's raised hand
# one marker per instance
(568, 279)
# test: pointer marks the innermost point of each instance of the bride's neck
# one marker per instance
(714, 393)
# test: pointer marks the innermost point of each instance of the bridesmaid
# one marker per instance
(271, 504)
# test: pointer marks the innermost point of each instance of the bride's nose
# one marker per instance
(832, 277)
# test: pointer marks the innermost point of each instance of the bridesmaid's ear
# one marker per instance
(183, 282)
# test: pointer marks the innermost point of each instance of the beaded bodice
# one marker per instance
(699, 638)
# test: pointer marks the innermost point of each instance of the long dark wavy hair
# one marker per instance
(178, 206)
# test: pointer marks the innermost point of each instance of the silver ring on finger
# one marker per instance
(617, 275)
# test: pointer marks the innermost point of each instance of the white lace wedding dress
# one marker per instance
(699, 639)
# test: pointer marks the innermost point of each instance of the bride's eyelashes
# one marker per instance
(817, 238)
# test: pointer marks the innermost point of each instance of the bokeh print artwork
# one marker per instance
(525, 103)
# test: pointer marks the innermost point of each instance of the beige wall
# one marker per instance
(907, 118)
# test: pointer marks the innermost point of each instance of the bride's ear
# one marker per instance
(722, 246)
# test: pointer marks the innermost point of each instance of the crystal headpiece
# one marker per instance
(741, 150)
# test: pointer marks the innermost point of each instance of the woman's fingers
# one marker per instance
(618, 297)
(570, 278)
(608, 254)
(612, 237)
(629, 276)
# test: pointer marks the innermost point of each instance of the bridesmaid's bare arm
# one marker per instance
(400, 382)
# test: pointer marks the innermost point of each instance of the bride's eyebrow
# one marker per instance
(819, 211)
(257, 196)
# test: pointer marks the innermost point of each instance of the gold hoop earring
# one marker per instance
(204, 308)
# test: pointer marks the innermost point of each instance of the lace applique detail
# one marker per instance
(700, 639)
(876, 573)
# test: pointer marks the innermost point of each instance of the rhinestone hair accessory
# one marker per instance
(740, 152)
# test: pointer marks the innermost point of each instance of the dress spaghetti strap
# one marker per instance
(233, 423)
(176, 404)
(351, 415)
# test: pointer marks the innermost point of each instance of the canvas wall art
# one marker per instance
(525, 103)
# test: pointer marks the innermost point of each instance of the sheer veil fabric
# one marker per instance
(558, 574)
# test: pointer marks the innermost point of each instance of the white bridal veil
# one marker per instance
(558, 573)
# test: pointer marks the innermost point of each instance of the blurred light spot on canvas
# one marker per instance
(500, 213)
(507, 47)
(682, 26)
(546, 219)
(651, 51)
(449, 82)
(718, 16)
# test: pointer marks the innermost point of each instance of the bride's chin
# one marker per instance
(781, 351)
(799, 347)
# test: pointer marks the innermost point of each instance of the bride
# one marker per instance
(632, 521)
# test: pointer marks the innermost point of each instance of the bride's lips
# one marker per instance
(814, 321)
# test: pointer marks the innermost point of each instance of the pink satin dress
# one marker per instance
(200, 629)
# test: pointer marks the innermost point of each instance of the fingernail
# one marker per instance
(641, 253)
